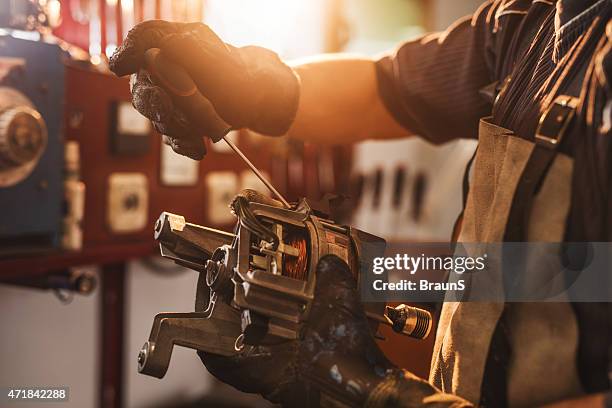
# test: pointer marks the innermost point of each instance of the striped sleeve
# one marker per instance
(431, 84)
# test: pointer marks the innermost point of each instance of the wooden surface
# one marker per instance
(38, 264)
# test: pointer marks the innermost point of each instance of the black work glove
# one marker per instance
(248, 87)
(336, 356)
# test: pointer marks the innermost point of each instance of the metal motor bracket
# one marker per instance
(257, 291)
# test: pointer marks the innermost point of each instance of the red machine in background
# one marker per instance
(118, 176)
(129, 177)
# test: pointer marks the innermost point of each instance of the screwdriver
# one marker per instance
(173, 78)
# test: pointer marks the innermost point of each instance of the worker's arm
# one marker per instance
(340, 103)
(429, 86)
(331, 99)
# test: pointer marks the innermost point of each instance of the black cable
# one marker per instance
(248, 220)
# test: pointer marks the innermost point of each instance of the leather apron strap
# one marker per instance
(550, 135)
(504, 168)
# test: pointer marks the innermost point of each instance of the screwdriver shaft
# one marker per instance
(257, 172)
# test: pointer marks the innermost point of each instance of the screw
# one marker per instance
(142, 354)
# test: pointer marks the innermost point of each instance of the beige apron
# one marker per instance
(543, 336)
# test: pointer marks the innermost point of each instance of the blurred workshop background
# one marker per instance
(78, 198)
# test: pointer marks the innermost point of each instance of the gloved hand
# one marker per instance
(248, 87)
(336, 357)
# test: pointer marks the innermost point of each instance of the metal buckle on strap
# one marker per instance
(555, 120)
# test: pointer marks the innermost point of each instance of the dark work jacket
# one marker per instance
(434, 85)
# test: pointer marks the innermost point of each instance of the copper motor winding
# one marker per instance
(297, 267)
